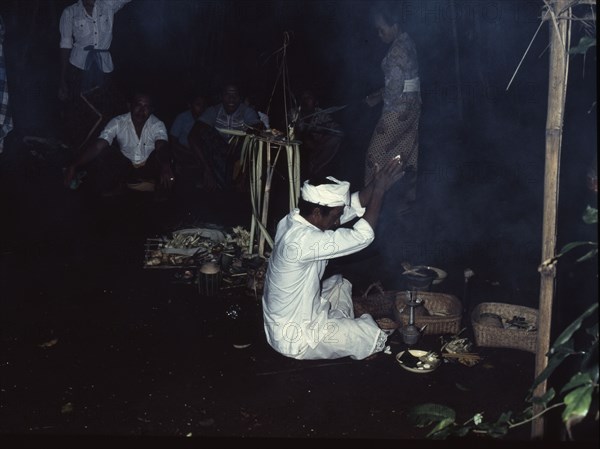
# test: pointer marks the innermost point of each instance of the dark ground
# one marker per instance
(142, 360)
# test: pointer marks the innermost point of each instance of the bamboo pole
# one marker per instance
(557, 87)
(265, 204)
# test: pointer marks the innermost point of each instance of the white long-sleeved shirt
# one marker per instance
(79, 30)
(292, 291)
(136, 149)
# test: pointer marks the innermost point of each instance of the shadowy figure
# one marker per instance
(179, 133)
(320, 135)
(142, 158)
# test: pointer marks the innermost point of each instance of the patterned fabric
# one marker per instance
(398, 65)
(395, 135)
(243, 117)
(397, 130)
(6, 123)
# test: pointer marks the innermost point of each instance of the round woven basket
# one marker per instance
(380, 306)
(445, 312)
(499, 337)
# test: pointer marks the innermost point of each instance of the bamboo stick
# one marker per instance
(252, 197)
(557, 86)
(265, 204)
(97, 112)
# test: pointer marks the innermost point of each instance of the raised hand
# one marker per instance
(391, 172)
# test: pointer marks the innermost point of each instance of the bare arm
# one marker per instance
(373, 193)
(164, 159)
(90, 153)
(374, 98)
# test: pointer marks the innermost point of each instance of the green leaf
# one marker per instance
(498, 430)
(543, 400)
(424, 415)
(583, 46)
(525, 414)
(589, 255)
(442, 425)
(462, 431)
(574, 326)
(559, 354)
(442, 434)
(569, 246)
(504, 418)
(590, 215)
(589, 363)
(495, 430)
(578, 380)
(578, 403)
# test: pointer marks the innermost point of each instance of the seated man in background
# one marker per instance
(216, 150)
(321, 137)
(142, 159)
(180, 131)
(306, 317)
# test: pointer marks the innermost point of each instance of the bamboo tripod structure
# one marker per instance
(263, 154)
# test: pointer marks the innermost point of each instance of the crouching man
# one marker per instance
(142, 157)
(306, 317)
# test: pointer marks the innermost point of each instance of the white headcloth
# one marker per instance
(330, 195)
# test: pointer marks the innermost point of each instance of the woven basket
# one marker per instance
(445, 312)
(379, 306)
(499, 337)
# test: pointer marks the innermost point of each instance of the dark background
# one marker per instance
(481, 166)
(482, 146)
(481, 156)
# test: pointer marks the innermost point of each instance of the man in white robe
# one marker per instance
(306, 317)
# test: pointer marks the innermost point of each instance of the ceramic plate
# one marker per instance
(420, 369)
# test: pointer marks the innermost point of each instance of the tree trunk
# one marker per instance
(558, 71)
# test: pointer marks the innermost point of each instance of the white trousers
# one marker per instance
(344, 335)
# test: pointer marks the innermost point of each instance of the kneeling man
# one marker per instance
(306, 317)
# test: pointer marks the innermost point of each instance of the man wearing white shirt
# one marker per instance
(85, 67)
(143, 154)
(85, 38)
(306, 317)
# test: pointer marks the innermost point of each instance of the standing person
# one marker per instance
(397, 131)
(306, 317)
(6, 123)
(85, 61)
(142, 158)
